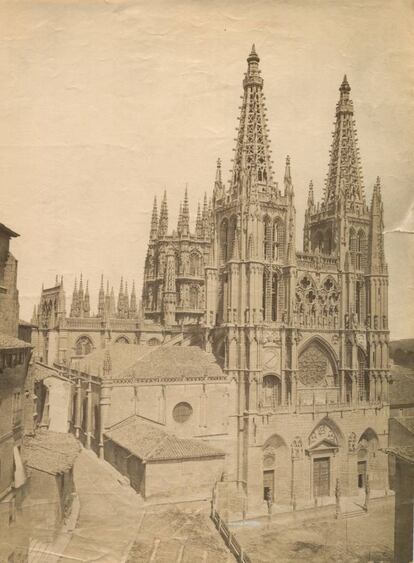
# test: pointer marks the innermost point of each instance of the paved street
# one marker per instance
(367, 538)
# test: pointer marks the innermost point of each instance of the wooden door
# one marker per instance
(268, 484)
(321, 477)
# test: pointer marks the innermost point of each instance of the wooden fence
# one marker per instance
(230, 539)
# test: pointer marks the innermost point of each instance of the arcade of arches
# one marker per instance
(309, 467)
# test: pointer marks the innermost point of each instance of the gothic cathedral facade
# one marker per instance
(301, 335)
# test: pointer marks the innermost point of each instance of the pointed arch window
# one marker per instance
(194, 297)
(267, 241)
(276, 240)
(361, 250)
(353, 246)
(83, 346)
(224, 240)
(319, 241)
(195, 264)
(274, 296)
(362, 379)
(271, 391)
(231, 237)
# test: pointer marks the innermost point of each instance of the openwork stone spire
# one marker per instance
(344, 175)
(163, 221)
(154, 221)
(252, 156)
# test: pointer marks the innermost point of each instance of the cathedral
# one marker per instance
(300, 336)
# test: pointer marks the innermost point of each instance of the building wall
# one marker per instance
(210, 403)
(9, 296)
(185, 479)
(404, 524)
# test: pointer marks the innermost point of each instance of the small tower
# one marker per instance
(80, 297)
(74, 308)
(101, 299)
(185, 218)
(169, 294)
(120, 304)
(86, 302)
(154, 221)
(133, 303)
(163, 221)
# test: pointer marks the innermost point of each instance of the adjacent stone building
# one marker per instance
(15, 395)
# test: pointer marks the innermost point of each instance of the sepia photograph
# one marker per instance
(207, 281)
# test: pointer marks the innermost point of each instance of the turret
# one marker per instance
(163, 221)
(80, 297)
(74, 308)
(133, 303)
(101, 299)
(288, 179)
(376, 236)
(199, 223)
(185, 220)
(154, 221)
(86, 302)
(120, 305)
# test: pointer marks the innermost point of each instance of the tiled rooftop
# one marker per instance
(402, 388)
(407, 422)
(163, 362)
(51, 452)
(8, 342)
(151, 442)
(405, 453)
(42, 371)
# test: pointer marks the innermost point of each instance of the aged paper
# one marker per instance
(215, 279)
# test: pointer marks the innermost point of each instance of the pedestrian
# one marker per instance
(269, 501)
(367, 493)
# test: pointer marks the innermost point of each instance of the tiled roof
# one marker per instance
(407, 422)
(402, 388)
(132, 361)
(8, 231)
(42, 371)
(51, 452)
(12, 343)
(150, 442)
(405, 453)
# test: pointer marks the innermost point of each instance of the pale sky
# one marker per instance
(104, 104)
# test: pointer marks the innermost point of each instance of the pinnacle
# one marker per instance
(253, 55)
(345, 87)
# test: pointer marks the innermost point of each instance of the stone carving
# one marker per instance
(313, 366)
(297, 448)
(322, 432)
(352, 442)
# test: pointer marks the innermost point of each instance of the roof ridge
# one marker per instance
(154, 449)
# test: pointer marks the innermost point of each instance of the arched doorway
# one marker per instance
(367, 460)
(324, 443)
(276, 470)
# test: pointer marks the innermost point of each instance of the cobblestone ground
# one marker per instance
(178, 534)
(354, 540)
